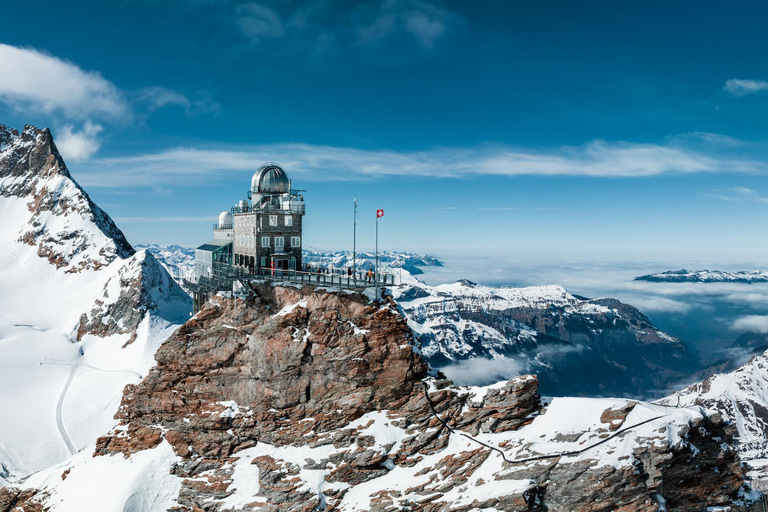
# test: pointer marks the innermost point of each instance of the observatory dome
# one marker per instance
(270, 179)
(225, 219)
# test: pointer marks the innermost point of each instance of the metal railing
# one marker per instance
(223, 275)
(293, 207)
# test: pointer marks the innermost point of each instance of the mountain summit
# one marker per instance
(62, 222)
(82, 311)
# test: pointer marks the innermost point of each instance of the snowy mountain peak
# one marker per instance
(82, 312)
(47, 209)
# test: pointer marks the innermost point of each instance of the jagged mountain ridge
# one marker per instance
(304, 399)
(706, 276)
(82, 311)
(32, 168)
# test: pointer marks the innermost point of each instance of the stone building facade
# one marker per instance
(263, 232)
(268, 229)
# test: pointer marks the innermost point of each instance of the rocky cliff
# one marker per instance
(304, 400)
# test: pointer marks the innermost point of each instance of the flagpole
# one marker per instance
(376, 271)
(354, 238)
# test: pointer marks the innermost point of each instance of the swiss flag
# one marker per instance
(379, 213)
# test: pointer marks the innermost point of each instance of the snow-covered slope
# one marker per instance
(81, 312)
(706, 276)
(741, 397)
(575, 345)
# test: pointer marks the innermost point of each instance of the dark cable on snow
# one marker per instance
(537, 457)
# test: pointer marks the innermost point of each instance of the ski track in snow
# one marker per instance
(60, 419)
(60, 405)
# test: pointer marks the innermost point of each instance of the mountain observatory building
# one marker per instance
(261, 233)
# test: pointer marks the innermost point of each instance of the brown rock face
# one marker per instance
(291, 355)
(314, 362)
(17, 500)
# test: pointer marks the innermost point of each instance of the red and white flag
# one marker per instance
(379, 213)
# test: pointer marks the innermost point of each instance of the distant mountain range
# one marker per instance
(575, 345)
(366, 260)
(178, 261)
(706, 276)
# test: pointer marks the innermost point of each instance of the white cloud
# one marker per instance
(714, 139)
(77, 146)
(424, 21)
(737, 87)
(481, 371)
(259, 22)
(154, 98)
(739, 195)
(161, 220)
(32, 80)
(309, 162)
(752, 323)
(660, 304)
(320, 26)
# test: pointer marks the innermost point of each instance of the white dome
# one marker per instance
(225, 219)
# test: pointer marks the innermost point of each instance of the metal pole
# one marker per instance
(354, 236)
(376, 265)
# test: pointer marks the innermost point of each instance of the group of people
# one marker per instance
(367, 276)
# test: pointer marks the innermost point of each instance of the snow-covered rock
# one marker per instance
(741, 397)
(81, 312)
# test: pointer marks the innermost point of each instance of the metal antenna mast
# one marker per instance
(354, 237)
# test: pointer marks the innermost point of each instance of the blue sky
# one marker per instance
(612, 130)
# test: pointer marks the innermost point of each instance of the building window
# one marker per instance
(263, 261)
(289, 220)
(279, 243)
(265, 241)
(273, 220)
(295, 241)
